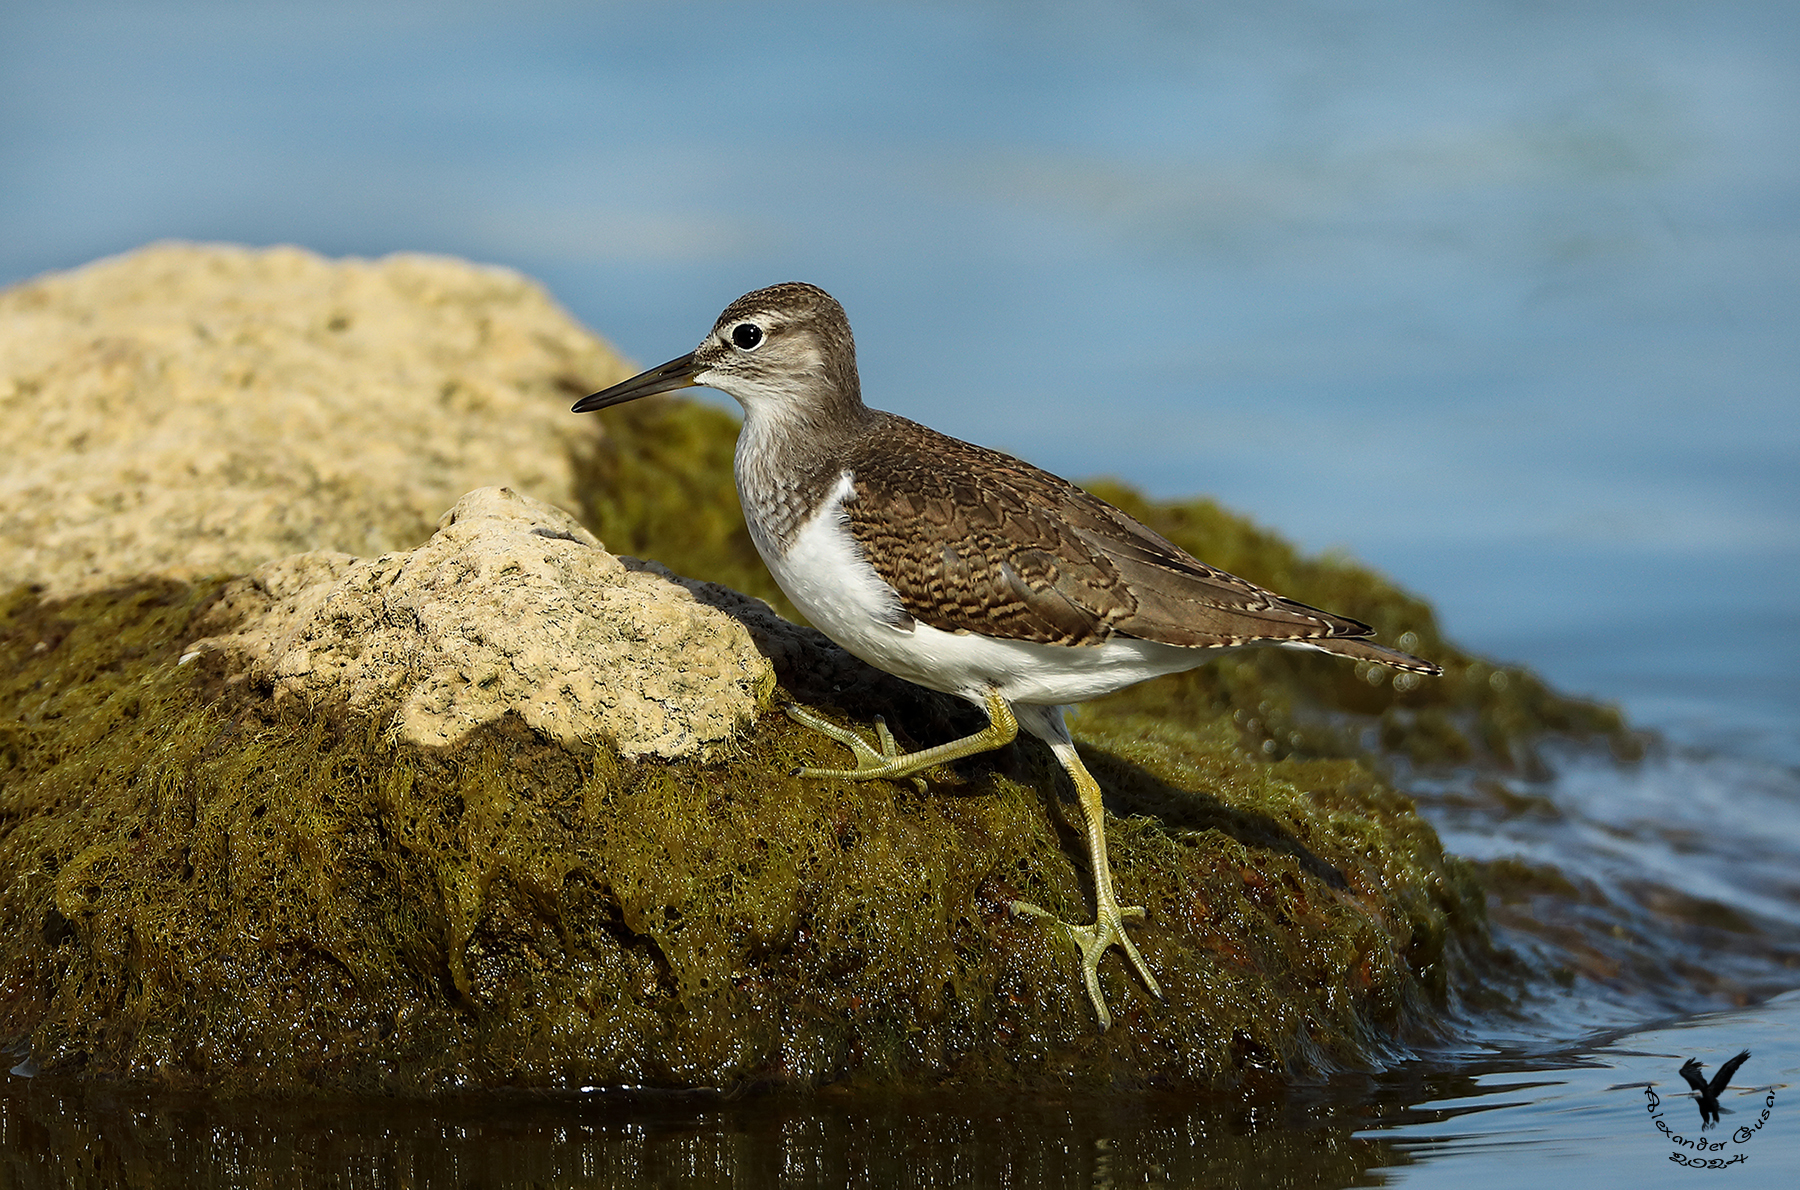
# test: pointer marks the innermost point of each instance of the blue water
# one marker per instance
(1500, 297)
(1582, 1117)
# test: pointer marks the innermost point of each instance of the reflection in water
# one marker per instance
(1476, 1118)
(101, 1137)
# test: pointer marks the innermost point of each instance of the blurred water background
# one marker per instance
(1498, 296)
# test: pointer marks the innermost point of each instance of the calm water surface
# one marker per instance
(1490, 1117)
(1498, 296)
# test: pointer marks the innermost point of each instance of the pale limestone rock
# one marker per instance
(193, 409)
(511, 605)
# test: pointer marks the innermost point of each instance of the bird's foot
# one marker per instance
(872, 762)
(1108, 930)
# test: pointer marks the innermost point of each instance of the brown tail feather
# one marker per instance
(1368, 650)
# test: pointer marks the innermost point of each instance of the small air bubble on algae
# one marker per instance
(208, 889)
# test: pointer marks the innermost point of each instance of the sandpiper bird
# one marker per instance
(963, 569)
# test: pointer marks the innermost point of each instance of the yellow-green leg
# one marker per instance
(1109, 916)
(889, 762)
(886, 761)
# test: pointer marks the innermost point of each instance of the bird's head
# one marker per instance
(785, 353)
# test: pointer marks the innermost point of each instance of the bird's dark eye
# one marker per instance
(747, 335)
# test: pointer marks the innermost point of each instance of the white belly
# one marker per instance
(825, 574)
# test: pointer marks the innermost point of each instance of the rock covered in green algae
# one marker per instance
(207, 884)
(211, 887)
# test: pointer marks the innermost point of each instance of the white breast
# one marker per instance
(826, 575)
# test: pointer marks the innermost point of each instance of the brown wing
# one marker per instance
(977, 541)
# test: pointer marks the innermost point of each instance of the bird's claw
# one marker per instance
(1093, 941)
(871, 761)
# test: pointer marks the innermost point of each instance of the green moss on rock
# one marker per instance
(209, 887)
(211, 890)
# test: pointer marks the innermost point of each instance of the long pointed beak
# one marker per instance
(677, 373)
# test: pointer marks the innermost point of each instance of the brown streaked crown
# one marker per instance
(806, 347)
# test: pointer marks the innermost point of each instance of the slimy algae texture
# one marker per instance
(208, 889)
